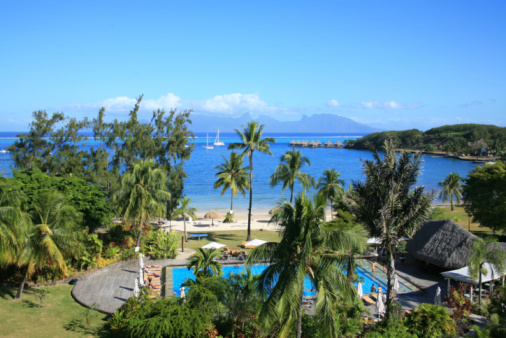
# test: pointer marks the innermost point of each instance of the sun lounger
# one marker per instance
(368, 300)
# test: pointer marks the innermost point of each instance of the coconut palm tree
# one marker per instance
(451, 187)
(143, 194)
(52, 237)
(306, 250)
(386, 204)
(331, 186)
(485, 251)
(251, 140)
(185, 210)
(203, 262)
(231, 175)
(12, 220)
(289, 172)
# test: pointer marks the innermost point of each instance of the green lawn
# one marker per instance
(463, 220)
(231, 238)
(60, 316)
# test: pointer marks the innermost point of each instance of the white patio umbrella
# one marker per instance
(141, 278)
(379, 304)
(141, 261)
(136, 288)
(437, 297)
(255, 242)
(360, 292)
(374, 241)
(182, 292)
(213, 245)
(396, 284)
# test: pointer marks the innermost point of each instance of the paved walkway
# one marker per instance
(110, 287)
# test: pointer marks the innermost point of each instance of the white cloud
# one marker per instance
(118, 103)
(165, 102)
(333, 103)
(388, 105)
(234, 103)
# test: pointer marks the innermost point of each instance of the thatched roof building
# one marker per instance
(318, 143)
(338, 144)
(328, 144)
(443, 243)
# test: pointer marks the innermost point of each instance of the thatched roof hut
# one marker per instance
(312, 143)
(328, 144)
(293, 143)
(443, 243)
(318, 143)
(338, 144)
(304, 143)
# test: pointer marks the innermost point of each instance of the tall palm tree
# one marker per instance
(251, 140)
(485, 251)
(289, 172)
(306, 250)
(451, 187)
(52, 237)
(143, 194)
(231, 175)
(203, 262)
(387, 205)
(331, 186)
(12, 220)
(185, 210)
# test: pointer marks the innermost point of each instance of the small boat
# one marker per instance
(217, 141)
(207, 146)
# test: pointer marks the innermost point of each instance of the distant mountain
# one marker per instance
(321, 123)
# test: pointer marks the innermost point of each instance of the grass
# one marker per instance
(460, 216)
(60, 315)
(232, 239)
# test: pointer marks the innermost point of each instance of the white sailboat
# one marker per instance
(217, 141)
(207, 146)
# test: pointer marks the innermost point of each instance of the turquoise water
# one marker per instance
(201, 172)
(179, 275)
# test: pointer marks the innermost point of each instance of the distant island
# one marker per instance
(318, 123)
(456, 140)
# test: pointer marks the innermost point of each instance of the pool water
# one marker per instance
(367, 277)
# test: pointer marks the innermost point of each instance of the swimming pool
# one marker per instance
(179, 275)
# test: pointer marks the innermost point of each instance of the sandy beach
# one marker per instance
(258, 221)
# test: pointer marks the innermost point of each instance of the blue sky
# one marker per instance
(388, 64)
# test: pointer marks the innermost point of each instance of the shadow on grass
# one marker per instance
(7, 293)
(30, 304)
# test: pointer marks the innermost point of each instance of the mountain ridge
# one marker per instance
(318, 123)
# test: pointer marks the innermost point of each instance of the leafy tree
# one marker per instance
(485, 195)
(231, 175)
(387, 206)
(429, 320)
(185, 210)
(251, 140)
(143, 194)
(330, 186)
(485, 251)
(51, 238)
(306, 250)
(89, 199)
(203, 262)
(12, 220)
(290, 171)
(162, 244)
(451, 188)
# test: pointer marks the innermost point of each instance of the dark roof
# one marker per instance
(444, 243)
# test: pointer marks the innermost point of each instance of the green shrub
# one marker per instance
(162, 244)
(429, 320)
(229, 218)
(111, 252)
(396, 329)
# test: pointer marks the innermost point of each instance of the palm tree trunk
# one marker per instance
(390, 281)
(248, 238)
(185, 235)
(291, 194)
(479, 281)
(139, 236)
(21, 287)
(232, 202)
(299, 314)
(350, 270)
(451, 202)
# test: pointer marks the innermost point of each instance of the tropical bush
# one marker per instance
(161, 244)
(429, 320)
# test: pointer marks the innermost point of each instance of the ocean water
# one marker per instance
(201, 169)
